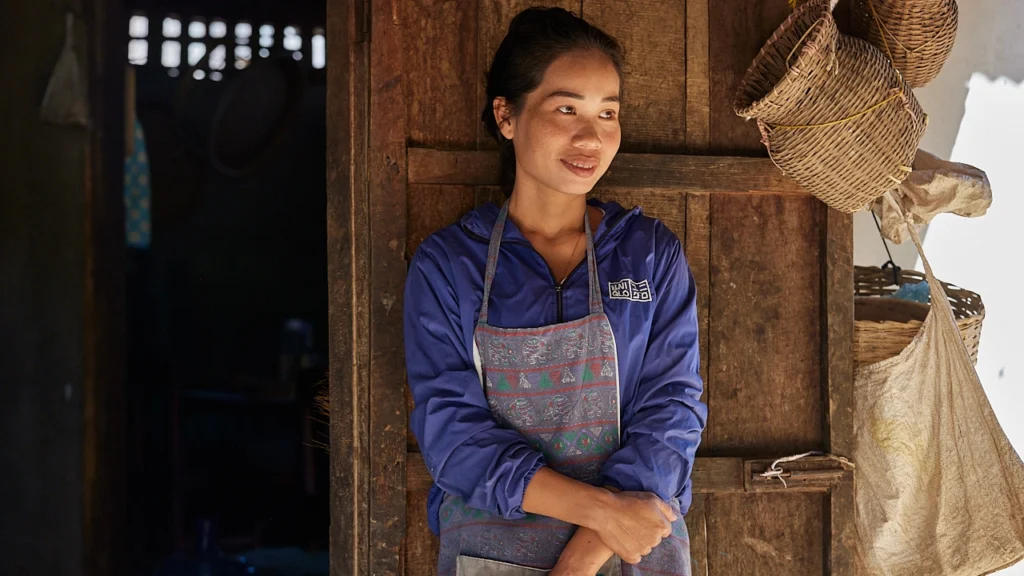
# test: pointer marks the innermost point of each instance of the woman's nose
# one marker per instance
(587, 137)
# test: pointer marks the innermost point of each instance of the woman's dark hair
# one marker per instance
(536, 37)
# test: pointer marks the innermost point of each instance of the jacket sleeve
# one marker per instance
(467, 453)
(662, 423)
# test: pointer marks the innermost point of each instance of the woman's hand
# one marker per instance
(632, 523)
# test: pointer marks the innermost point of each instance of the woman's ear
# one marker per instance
(503, 117)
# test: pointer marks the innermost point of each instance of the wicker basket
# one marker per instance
(883, 327)
(833, 112)
(919, 34)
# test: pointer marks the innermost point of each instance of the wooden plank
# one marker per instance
(717, 475)
(696, 174)
(837, 372)
(738, 30)
(106, 539)
(430, 208)
(440, 55)
(697, 526)
(710, 475)
(417, 478)
(433, 207)
(765, 534)
(765, 326)
(665, 204)
(698, 77)
(348, 279)
(653, 33)
(421, 546)
(494, 17)
(485, 194)
(697, 248)
(388, 217)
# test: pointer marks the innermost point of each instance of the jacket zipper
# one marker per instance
(558, 299)
(559, 285)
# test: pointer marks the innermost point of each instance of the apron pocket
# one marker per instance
(469, 566)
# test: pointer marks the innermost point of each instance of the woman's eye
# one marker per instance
(608, 114)
(566, 109)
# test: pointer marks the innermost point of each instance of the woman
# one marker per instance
(551, 343)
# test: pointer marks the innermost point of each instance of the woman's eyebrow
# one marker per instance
(575, 96)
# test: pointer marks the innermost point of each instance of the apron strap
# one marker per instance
(494, 249)
(596, 302)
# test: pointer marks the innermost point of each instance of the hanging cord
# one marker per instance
(891, 263)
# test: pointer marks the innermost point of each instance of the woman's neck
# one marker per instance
(546, 213)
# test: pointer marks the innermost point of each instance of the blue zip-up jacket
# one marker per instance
(467, 453)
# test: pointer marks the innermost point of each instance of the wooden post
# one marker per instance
(348, 285)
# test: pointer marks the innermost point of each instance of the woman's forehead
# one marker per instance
(581, 75)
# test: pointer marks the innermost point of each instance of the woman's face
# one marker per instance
(567, 131)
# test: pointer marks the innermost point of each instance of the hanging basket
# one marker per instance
(918, 34)
(883, 327)
(833, 112)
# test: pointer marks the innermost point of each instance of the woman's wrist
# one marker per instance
(585, 554)
(601, 503)
(556, 496)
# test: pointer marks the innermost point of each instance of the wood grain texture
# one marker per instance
(388, 216)
(653, 33)
(717, 475)
(697, 249)
(765, 330)
(348, 287)
(421, 546)
(433, 207)
(738, 30)
(492, 24)
(697, 527)
(837, 377)
(665, 204)
(765, 534)
(485, 194)
(694, 174)
(440, 43)
(698, 77)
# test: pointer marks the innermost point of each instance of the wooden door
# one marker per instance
(407, 155)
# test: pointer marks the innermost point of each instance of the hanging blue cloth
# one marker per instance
(137, 223)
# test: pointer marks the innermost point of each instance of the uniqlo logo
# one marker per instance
(630, 290)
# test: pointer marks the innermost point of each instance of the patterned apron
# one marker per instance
(557, 385)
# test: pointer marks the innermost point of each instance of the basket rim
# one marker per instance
(953, 291)
(751, 109)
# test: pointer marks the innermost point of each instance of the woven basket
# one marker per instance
(919, 34)
(833, 112)
(883, 327)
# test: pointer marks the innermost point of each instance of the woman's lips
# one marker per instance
(584, 167)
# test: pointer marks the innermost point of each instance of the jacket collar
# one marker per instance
(480, 221)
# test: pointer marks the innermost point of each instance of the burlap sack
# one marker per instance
(939, 489)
